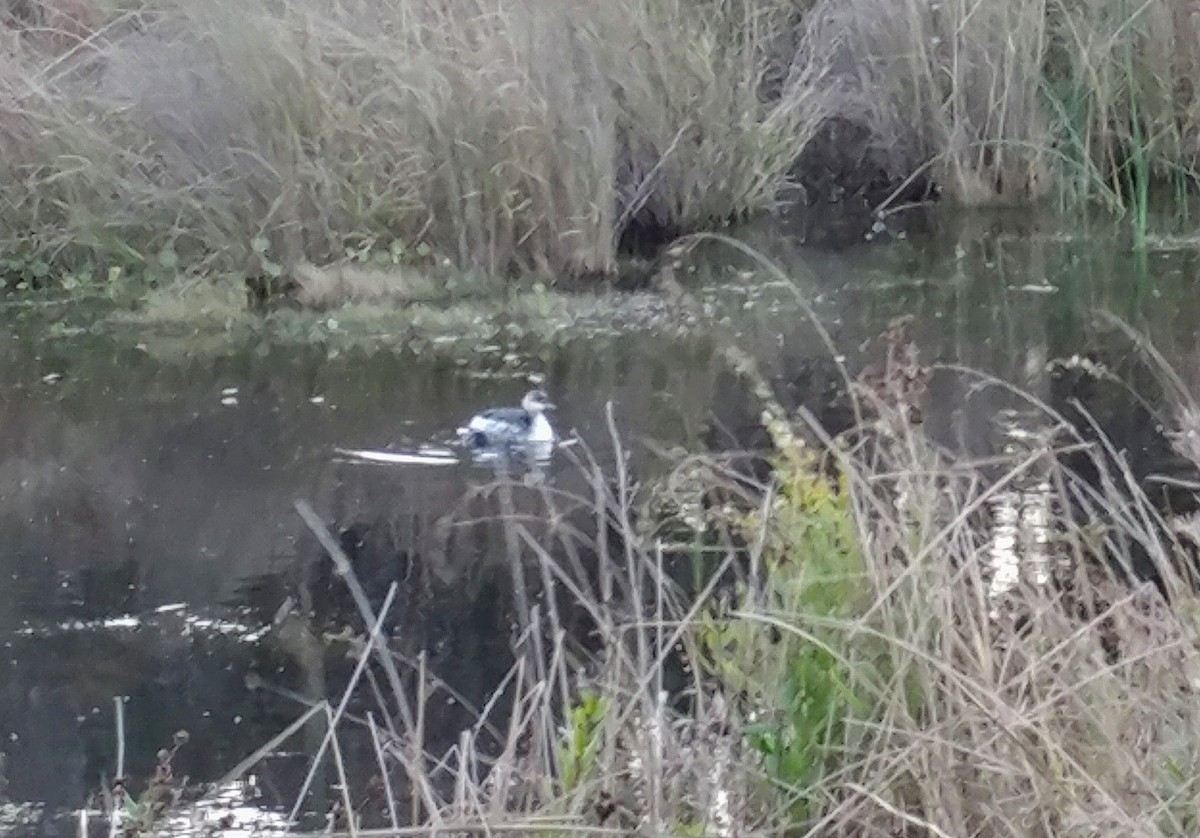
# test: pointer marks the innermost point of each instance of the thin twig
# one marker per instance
(336, 717)
(393, 814)
(346, 571)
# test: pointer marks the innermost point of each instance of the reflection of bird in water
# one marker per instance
(499, 434)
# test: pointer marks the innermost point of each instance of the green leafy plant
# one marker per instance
(581, 740)
(782, 650)
(25, 271)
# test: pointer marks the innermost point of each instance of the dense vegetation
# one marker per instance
(877, 639)
(868, 662)
(246, 139)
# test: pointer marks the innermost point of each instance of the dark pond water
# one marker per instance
(147, 528)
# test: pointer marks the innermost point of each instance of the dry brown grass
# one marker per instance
(1010, 102)
(1032, 708)
(501, 136)
(950, 89)
(528, 137)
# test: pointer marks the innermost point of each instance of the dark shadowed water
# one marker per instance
(147, 529)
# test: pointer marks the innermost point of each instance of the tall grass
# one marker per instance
(1011, 102)
(951, 89)
(496, 136)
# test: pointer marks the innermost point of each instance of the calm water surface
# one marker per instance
(147, 529)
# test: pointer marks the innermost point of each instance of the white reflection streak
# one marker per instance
(1019, 544)
(1019, 538)
(230, 812)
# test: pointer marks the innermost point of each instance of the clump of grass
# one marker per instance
(1119, 68)
(950, 90)
(1012, 102)
(163, 137)
(223, 138)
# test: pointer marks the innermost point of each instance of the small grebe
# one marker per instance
(507, 426)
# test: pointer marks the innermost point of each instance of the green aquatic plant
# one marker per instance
(23, 271)
(782, 650)
(581, 740)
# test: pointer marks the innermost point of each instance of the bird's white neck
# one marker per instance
(541, 430)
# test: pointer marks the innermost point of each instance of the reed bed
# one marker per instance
(493, 137)
(502, 139)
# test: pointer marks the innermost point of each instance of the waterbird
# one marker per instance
(505, 427)
(497, 435)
